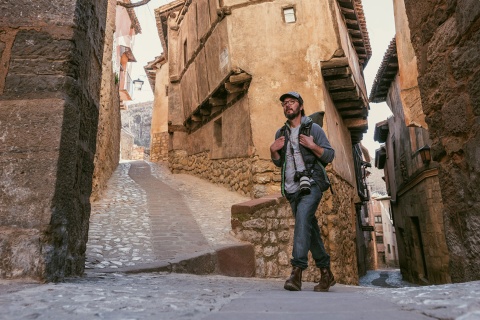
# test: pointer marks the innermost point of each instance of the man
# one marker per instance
(302, 149)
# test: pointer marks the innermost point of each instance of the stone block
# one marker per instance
(252, 236)
(269, 237)
(26, 13)
(33, 45)
(455, 115)
(251, 206)
(269, 251)
(20, 253)
(284, 236)
(272, 224)
(255, 224)
(42, 67)
(466, 13)
(237, 261)
(37, 86)
(30, 152)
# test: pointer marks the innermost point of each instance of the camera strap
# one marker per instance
(287, 133)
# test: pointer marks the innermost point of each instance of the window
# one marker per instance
(289, 15)
(388, 248)
(379, 239)
(378, 219)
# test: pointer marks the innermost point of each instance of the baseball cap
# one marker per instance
(292, 94)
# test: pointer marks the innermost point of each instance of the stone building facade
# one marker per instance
(435, 207)
(137, 118)
(121, 27)
(412, 184)
(108, 137)
(446, 40)
(220, 91)
(160, 137)
(50, 83)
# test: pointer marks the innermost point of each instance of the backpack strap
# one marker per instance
(305, 130)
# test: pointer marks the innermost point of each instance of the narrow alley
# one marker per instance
(127, 229)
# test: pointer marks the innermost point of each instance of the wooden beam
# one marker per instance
(231, 88)
(345, 3)
(351, 22)
(349, 104)
(196, 118)
(346, 11)
(240, 78)
(233, 96)
(356, 124)
(205, 111)
(357, 113)
(216, 109)
(345, 95)
(336, 72)
(334, 63)
(217, 101)
(360, 49)
(176, 128)
(355, 33)
(343, 84)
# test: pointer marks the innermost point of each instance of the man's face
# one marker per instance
(291, 108)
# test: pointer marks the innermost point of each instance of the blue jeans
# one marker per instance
(307, 234)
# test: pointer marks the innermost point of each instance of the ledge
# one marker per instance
(257, 204)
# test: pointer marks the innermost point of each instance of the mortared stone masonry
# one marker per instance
(51, 59)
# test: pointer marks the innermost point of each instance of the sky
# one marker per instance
(381, 30)
(146, 47)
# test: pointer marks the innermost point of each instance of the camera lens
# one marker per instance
(304, 185)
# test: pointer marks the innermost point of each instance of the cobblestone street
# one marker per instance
(125, 233)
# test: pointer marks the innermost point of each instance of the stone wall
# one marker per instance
(126, 145)
(423, 201)
(137, 119)
(159, 147)
(253, 177)
(446, 39)
(268, 224)
(138, 153)
(107, 152)
(51, 57)
(235, 173)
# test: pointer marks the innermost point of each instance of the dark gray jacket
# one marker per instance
(314, 165)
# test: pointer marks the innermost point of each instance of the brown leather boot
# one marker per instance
(294, 283)
(326, 281)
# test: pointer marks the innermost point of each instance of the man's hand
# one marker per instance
(276, 146)
(307, 142)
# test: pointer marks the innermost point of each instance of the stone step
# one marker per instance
(236, 260)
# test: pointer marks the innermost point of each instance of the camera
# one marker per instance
(304, 179)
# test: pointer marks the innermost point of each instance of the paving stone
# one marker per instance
(160, 214)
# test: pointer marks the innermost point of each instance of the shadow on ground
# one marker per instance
(384, 278)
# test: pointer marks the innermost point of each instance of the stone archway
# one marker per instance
(51, 57)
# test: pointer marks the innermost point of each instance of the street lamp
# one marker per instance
(425, 153)
(137, 84)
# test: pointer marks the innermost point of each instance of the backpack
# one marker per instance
(317, 118)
